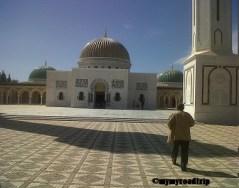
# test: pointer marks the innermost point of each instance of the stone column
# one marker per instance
(93, 98)
(163, 105)
(106, 101)
(30, 98)
(7, 99)
(1, 101)
(169, 98)
(2, 98)
(41, 99)
(18, 98)
(176, 101)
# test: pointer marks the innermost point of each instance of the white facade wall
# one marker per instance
(215, 87)
(100, 76)
(150, 92)
(55, 84)
(129, 92)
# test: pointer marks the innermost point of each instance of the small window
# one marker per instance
(81, 96)
(218, 10)
(117, 97)
(117, 67)
(88, 66)
(109, 67)
(60, 96)
(95, 67)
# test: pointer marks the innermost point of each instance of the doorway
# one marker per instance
(99, 101)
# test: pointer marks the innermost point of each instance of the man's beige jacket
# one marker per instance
(180, 123)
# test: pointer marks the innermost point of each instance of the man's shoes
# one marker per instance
(174, 161)
(184, 168)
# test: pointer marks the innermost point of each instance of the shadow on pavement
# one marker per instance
(124, 142)
(210, 173)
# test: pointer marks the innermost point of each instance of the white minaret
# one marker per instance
(212, 26)
(211, 73)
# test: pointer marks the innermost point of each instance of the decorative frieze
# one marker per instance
(141, 86)
(81, 83)
(118, 84)
(61, 84)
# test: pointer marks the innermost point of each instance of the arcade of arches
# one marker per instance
(36, 94)
(23, 94)
(169, 98)
(28, 93)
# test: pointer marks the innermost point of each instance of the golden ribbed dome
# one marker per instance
(105, 47)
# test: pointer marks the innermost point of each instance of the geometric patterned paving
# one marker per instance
(74, 154)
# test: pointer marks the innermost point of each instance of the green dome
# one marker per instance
(171, 76)
(39, 74)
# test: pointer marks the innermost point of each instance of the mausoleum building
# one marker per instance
(102, 80)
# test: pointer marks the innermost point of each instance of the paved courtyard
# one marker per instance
(66, 112)
(80, 154)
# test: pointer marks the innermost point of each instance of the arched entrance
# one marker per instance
(36, 97)
(173, 102)
(12, 96)
(100, 100)
(3, 99)
(25, 97)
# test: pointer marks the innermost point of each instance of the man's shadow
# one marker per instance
(207, 173)
(211, 173)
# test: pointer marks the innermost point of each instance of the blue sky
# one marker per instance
(157, 33)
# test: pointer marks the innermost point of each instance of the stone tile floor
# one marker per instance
(40, 110)
(75, 154)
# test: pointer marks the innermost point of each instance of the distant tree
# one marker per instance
(9, 78)
(14, 81)
(3, 77)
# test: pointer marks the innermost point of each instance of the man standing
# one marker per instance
(179, 125)
(142, 101)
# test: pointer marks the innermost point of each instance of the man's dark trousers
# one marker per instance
(184, 151)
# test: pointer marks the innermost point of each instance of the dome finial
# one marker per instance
(105, 34)
(45, 63)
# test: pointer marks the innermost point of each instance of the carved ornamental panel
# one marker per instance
(61, 84)
(118, 84)
(81, 83)
(141, 86)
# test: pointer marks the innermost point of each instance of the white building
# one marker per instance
(102, 80)
(211, 73)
